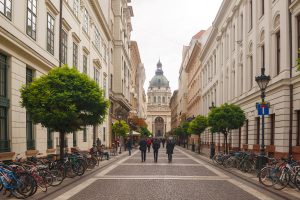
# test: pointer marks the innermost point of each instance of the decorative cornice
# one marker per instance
(76, 37)
(84, 48)
(66, 25)
(51, 7)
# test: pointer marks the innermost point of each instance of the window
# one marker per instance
(154, 99)
(272, 118)
(50, 34)
(29, 123)
(247, 131)
(251, 14)
(31, 18)
(85, 21)
(64, 44)
(233, 38)
(97, 39)
(49, 138)
(84, 70)
(96, 75)
(257, 129)
(251, 71)
(242, 28)
(104, 134)
(277, 52)
(163, 99)
(75, 7)
(262, 7)
(74, 139)
(4, 136)
(75, 55)
(298, 129)
(104, 86)
(5, 8)
(298, 33)
(84, 134)
(111, 81)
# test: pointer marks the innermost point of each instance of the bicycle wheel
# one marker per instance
(297, 179)
(78, 168)
(27, 185)
(47, 177)
(283, 179)
(57, 177)
(267, 176)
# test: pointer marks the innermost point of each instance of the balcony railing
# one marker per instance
(4, 146)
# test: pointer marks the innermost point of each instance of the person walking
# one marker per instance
(170, 148)
(155, 146)
(163, 141)
(98, 142)
(143, 148)
(129, 145)
(149, 142)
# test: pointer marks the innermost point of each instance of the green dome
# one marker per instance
(159, 80)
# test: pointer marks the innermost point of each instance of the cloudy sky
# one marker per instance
(162, 27)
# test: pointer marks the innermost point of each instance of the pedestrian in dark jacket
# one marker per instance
(129, 145)
(155, 146)
(163, 141)
(170, 148)
(149, 142)
(143, 148)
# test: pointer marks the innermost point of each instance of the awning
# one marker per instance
(134, 133)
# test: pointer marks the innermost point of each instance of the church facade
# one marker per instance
(158, 109)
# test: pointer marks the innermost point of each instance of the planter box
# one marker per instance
(7, 155)
(296, 149)
(50, 151)
(31, 152)
(270, 148)
(256, 147)
(245, 147)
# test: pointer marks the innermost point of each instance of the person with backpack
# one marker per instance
(170, 148)
(155, 146)
(149, 142)
(163, 141)
(143, 148)
(129, 145)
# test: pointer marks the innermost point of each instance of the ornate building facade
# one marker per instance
(158, 110)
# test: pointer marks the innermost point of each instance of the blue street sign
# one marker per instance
(262, 109)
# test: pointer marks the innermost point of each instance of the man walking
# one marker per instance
(155, 146)
(129, 145)
(143, 148)
(170, 148)
(149, 142)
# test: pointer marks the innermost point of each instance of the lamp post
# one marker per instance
(262, 82)
(212, 146)
(119, 118)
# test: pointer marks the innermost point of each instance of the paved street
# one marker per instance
(187, 177)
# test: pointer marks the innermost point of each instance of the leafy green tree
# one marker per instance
(225, 118)
(145, 132)
(120, 128)
(198, 125)
(65, 101)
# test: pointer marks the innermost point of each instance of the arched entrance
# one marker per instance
(159, 127)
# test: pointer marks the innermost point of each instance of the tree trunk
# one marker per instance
(62, 144)
(226, 144)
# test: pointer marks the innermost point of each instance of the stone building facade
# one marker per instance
(158, 110)
(245, 37)
(95, 40)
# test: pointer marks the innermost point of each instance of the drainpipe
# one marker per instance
(60, 31)
(291, 85)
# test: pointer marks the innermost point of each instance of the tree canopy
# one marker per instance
(120, 128)
(185, 126)
(64, 100)
(225, 118)
(198, 125)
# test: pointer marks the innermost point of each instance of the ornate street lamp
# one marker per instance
(212, 146)
(262, 82)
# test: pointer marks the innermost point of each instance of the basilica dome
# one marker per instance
(159, 80)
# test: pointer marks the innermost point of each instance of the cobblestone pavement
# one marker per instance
(187, 177)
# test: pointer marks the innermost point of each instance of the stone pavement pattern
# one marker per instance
(186, 177)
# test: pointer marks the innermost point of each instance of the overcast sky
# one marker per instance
(162, 27)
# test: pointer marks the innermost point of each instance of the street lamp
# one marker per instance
(212, 146)
(262, 82)
(119, 118)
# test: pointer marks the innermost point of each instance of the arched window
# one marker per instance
(163, 100)
(154, 101)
